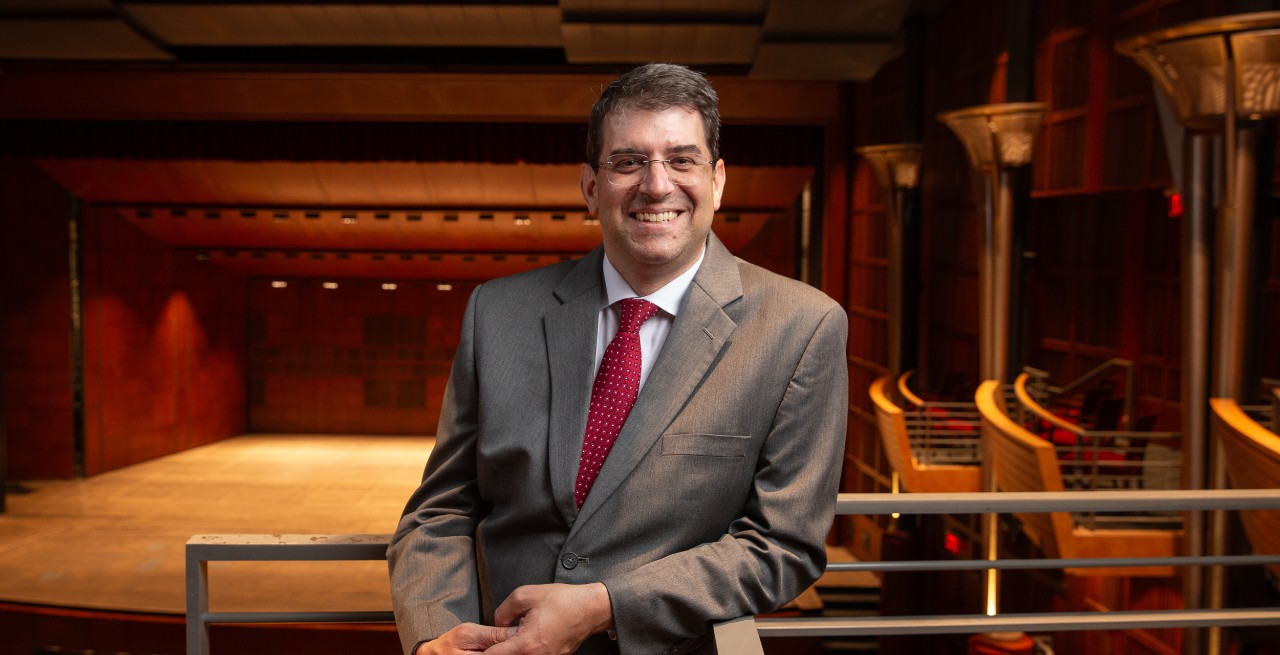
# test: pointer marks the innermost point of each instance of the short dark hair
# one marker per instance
(656, 87)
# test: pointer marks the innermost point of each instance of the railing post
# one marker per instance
(197, 604)
(738, 637)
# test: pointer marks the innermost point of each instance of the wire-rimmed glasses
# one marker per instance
(631, 170)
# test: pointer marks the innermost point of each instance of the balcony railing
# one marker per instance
(742, 636)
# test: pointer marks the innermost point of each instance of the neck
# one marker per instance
(645, 280)
(645, 285)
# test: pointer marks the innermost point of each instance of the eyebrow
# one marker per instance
(682, 149)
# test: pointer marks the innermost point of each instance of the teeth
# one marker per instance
(661, 217)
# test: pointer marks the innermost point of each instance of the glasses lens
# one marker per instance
(630, 171)
(627, 171)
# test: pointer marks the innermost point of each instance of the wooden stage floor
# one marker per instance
(116, 541)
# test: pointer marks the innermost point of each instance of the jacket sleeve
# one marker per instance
(776, 549)
(432, 561)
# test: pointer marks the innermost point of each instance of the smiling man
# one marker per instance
(637, 444)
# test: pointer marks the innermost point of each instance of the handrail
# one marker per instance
(1084, 461)
(905, 390)
(1234, 415)
(1005, 502)
(743, 635)
(1025, 399)
(205, 548)
(1097, 372)
(1252, 456)
(923, 455)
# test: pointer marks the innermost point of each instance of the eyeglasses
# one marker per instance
(631, 170)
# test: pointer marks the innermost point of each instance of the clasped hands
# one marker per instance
(547, 619)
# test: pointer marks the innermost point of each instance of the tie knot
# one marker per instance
(635, 311)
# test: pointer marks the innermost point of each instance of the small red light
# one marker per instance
(1175, 206)
(952, 544)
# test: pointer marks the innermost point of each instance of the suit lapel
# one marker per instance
(570, 331)
(698, 336)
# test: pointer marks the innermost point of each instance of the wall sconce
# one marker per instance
(897, 168)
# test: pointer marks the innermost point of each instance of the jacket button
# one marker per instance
(569, 561)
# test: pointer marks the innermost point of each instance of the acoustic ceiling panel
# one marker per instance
(94, 39)
(692, 44)
(54, 6)
(376, 184)
(300, 24)
(668, 7)
(845, 19)
(821, 61)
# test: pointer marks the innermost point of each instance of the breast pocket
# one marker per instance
(694, 468)
(706, 445)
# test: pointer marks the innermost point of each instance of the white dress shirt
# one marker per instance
(654, 331)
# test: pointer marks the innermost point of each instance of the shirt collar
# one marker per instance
(667, 298)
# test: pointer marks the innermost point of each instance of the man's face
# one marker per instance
(654, 231)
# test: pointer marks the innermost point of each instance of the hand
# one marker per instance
(464, 638)
(553, 619)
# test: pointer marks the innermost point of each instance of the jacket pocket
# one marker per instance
(707, 445)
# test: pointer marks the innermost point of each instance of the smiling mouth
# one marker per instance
(660, 217)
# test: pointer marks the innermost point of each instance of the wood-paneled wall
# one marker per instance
(35, 298)
(164, 344)
(163, 339)
(354, 358)
(357, 357)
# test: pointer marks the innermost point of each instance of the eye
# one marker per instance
(683, 163)
(626, 164)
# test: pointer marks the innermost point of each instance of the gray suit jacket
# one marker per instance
(715, 500)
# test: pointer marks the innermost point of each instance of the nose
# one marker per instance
(657, 183)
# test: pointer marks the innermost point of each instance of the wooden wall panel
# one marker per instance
(355, 358)
(164, 347)
(774, 246)
(1104, 280)
(966, 61)
(35, 305)
(1270, 314)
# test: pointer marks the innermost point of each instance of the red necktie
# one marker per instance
(613, 393)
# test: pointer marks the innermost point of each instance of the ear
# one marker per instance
(717, 182)
(587, 181)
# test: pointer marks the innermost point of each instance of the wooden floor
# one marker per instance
(115, 541)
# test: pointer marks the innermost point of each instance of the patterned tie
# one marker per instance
(613, 393)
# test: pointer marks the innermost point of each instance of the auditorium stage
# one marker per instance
(116, 541)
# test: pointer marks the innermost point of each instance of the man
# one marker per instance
(714, 498)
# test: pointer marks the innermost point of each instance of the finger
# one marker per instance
(508, 646)
(511, 609)
(472, 637)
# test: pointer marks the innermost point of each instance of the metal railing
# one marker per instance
(205, 548)
(1093, 459)
(742, 636)
(738, 633)
(1052, 393)
(939, 432)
